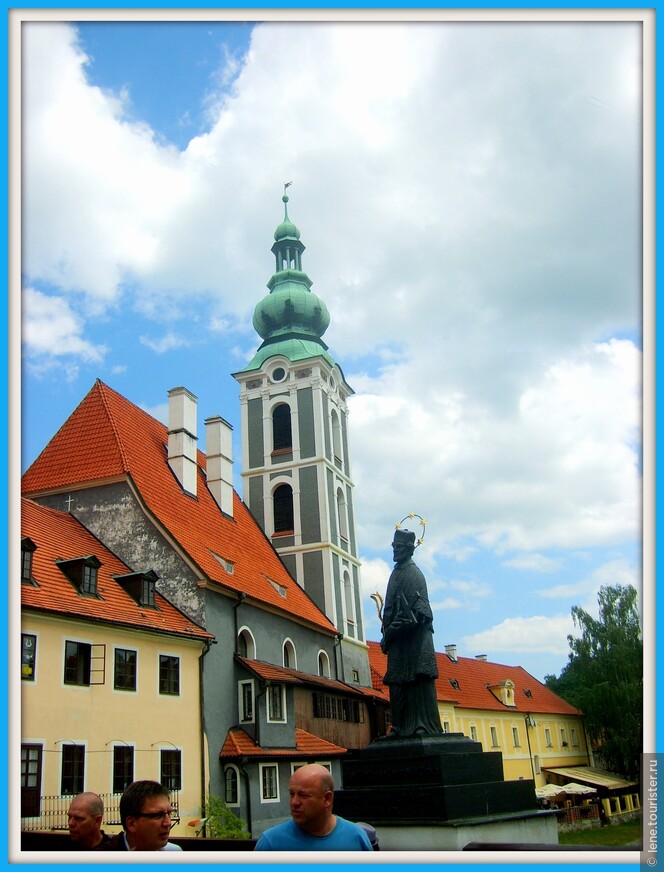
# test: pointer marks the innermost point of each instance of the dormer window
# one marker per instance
(82, 572)
(504, 691)
(28, 548)
(140, 586)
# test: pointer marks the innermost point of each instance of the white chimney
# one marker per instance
(219, 452)
(482, 657)
(450, 650)
(182, 437)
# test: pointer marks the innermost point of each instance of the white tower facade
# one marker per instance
(296, 467)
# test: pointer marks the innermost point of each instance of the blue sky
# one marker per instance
(470, 198)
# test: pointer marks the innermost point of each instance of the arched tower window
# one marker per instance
(284, 516)
(342, 516)
(246, 647)
(290, 660)
(336, 438)
(282, 431)
(349, 603)
(323, 664)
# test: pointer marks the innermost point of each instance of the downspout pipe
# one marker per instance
(339, 657)
(530, 722)
(201, 702)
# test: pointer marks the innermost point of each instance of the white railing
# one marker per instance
(53, 812)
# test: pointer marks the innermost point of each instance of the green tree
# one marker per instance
(220, 822)
(604, 677)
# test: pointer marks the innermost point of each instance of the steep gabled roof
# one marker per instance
(239, 744)
(57, 536)
(108, 437)
(472, 682)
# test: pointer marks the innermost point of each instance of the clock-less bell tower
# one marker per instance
(295, 449)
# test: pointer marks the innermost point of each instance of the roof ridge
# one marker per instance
(103, 388)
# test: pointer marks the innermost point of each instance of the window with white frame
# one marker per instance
(349, 603)
(276, 703)
(494, 737)
(246, 646)
(575, 738)
(515, 737)
(536, 764)
(563, 737)
(246, 701)
(231, 786)
(289, 657)
(446, 727)
(473, 732)
(323, 664)
(269, 777)
(547, 737)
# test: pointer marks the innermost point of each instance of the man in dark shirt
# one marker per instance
(85, 814)
(408, 642)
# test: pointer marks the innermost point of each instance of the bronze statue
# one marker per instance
(408, 642)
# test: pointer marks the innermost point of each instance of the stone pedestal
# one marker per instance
(438, 793)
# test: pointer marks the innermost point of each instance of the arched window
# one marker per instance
(342, 516)
(349, 603)
(231, 786)
(282, 432)
(323, 664)
(336, 438)
(284, 517)
(246, 646)
(290, 660)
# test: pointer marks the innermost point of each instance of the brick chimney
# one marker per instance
(182, 406)
(219, 452)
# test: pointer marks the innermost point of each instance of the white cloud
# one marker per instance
(51, 327)
(533, 563)
(169, 342)
(536, 634)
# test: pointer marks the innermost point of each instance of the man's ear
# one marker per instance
(130, 823)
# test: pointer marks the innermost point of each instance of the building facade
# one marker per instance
(110, 677)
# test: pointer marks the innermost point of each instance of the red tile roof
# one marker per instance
(58, 535)
(108, 437)
(475, 677)
(281, 674)
(239, 744)
(270, 672)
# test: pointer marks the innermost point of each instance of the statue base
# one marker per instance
(437, 784)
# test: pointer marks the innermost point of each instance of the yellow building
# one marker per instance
(507, 710)
(110, 678)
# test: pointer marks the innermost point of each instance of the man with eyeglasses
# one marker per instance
(145, 813)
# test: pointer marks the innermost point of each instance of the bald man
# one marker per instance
(313, 826)
(86, 812)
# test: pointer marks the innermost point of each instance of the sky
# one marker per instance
(470, 199)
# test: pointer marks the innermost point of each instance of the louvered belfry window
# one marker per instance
(282, 433)
(283, 509)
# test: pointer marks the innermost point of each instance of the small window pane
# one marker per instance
(28, 656)
(73, 768)
(77, 663)
(171, 769)
(125, 669)
(123, 767)
(169, 675)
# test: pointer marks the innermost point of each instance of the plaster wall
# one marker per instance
(100, 717)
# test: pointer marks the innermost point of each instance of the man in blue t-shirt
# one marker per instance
(313, 826)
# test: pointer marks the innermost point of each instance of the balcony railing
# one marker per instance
(53, 812)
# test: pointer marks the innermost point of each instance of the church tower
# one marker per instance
(295, 451)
